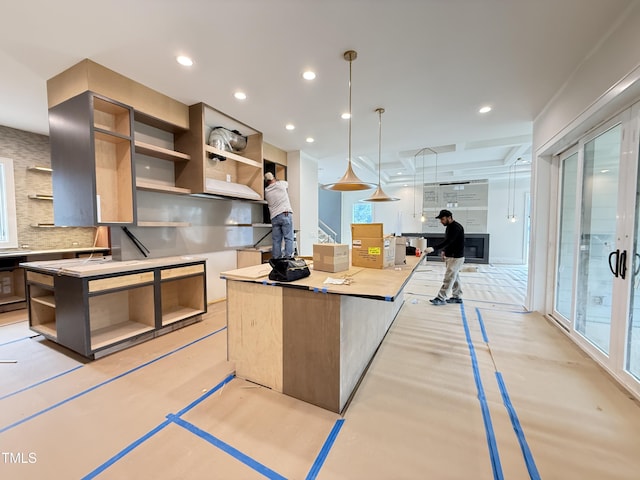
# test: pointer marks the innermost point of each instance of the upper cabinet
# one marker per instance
(229, 164)
(156, 158)
(91, 139)
(111, 135)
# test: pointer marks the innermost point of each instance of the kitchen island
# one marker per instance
(96, 306)
(309, 339)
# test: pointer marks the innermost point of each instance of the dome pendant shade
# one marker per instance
(349, 181)
(379, 195)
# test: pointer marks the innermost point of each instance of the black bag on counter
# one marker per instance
(288, 269)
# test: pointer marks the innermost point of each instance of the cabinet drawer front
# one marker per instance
(181, 271)
(119, 282)
(40, 278)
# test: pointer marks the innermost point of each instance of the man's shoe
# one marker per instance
(454, 300)
(438, 301)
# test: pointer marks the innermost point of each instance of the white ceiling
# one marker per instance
(430, 63)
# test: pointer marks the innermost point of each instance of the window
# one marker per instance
(8, 226)
(362, 213)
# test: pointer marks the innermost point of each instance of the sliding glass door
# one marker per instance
(598, 233)
(597, 282)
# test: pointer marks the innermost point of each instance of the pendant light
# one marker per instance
(349, 181)
(379, 195)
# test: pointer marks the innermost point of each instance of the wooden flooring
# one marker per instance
(482, 390)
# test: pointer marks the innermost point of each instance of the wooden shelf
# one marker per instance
(178, 313)
(41, 196)
(46, 329)
(163, 224)
(232, 156)
(159, 152)
(157, 187)
(11, 299)
(38, 168)
(48, 300)
(106, 336)
(111, 137)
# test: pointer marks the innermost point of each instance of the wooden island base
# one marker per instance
(310, 340)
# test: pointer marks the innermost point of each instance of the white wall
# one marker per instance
(302, 175)
(605, 83)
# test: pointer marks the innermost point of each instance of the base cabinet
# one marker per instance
(97, 313)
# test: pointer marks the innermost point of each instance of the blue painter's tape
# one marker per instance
(482, 329)
(324, 289)
(125, 451)
(515, 422)
(324, 451)
(484, 407)
(106, 382)
(206, 395)
(40, 382)
(225, 447)
(16, 340)
(315, 290)
(387, 299)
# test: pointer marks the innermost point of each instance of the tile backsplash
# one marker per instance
(28, 149)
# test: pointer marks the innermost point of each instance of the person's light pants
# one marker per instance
(451, 282)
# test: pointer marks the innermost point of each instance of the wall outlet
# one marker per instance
(228, 177)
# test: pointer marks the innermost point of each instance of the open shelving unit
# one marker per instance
(94, 308)
(239, 175)
(179, 295)
(157, 158)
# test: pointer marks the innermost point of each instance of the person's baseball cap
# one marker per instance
(444, 213)
(268, 176)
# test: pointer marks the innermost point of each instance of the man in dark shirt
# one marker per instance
(453, 253)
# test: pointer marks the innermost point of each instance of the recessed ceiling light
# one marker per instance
(310, 140)
(290, 126)
(183, 60)
(405, 185)
(485, 109)
(240, 95)
(399, 173)
(309, 75)
(345, 115)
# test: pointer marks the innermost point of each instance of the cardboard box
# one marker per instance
(330, 257)
(370, 248)
(401, 251)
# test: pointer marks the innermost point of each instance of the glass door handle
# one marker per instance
(636, 268)
(623, 264)
(617, 254)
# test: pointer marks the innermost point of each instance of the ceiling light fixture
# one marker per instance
(240, 95)
(485, 109)
(349, 181)
(345, 116)
(184, 60)
(379, 195)
(309, 75)
(290, 126)
(310, 140)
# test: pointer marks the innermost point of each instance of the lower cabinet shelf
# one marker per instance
(107, 336)
(97, 312)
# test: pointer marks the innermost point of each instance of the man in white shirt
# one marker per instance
(281, 214)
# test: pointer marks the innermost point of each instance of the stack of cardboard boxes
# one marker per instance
(370, 248)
